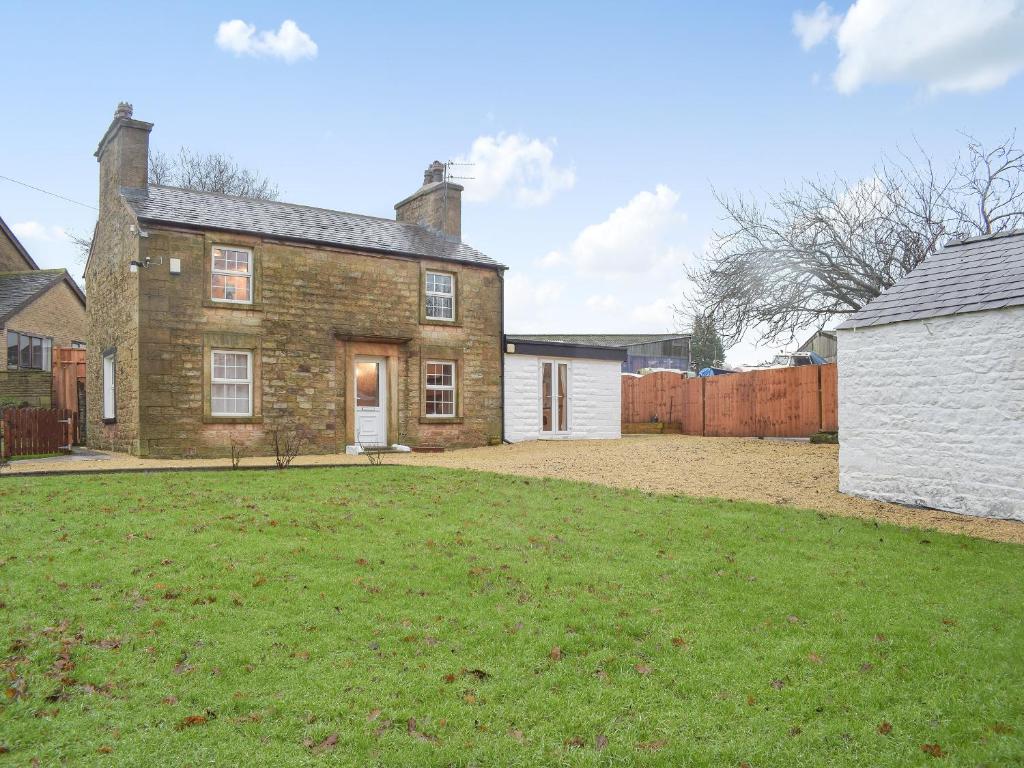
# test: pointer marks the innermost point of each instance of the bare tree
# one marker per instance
(213, 172)
(825, 248)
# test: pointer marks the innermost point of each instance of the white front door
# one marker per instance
(371, 378)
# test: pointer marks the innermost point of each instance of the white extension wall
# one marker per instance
(595, 398)
(931, 413)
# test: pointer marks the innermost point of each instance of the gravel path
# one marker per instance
(777, 472)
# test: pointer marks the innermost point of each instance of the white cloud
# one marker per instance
(289, 42)
(657, 315)
(813, 28)
(604, 302)
(947, 45)
(633, 238)
(532, 306)
(551, 259)
(517, 164)
(33, 230)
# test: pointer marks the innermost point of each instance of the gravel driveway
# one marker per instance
(777, 472)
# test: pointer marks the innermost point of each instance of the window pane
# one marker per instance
(563, 385)
(26, 352)
(440, 307)
(439, 283)
(47, 354)
(440, 402)
(545, 398)
(12, 349)
(231, 365)
(230, 399)
(37, 353)
(230, 287)
(229, 260)
(108, 387)
(440, 374)
(367, 385)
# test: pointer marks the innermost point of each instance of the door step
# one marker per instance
(358, 450)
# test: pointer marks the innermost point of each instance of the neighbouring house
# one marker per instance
(931, 384)
(643, 350)
(822, 343)
(561, 390)
(40, 309)
(217, 319)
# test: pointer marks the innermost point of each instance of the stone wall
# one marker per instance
(595, 393)
(310, 304)
(58, 313)
(932, 413)
(113, 311)
(26, 388)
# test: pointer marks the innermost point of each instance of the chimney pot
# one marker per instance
(123, 111)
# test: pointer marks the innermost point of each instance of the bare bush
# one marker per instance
(288, 443)
(238, 450)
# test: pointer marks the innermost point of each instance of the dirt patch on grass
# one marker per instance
(796, 474)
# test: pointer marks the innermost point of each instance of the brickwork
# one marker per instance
(58, 313)
(25, 388)
(11, 259)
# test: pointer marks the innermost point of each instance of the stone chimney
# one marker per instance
(123, 155)
(437, 205)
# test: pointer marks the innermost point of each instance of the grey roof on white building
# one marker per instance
(972, 275)
(600, 339)
(209, 210)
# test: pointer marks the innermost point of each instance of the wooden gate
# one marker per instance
(27, 431)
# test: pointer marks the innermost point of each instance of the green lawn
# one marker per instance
(398, 616)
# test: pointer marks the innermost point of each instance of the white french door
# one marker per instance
(554, 398)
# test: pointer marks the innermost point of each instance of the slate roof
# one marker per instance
(19, 289)
(600, 339)
(208, 210)
(969, 275)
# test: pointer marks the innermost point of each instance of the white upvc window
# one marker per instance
(109, 377)
(440, 294)
(231, 383)
(439, 388)
(231, 275)
(554, 397)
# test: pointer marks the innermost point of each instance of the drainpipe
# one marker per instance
(501, 351)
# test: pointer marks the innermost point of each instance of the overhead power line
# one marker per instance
(48, 192)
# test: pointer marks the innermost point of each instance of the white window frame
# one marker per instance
(248, 275)
(214, 381)
(443, 388)
(110, 385)
(443, 294)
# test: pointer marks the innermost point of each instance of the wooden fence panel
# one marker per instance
(829, 397)
(27, 431)
(781, 402)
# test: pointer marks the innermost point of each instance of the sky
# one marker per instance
(597, 132)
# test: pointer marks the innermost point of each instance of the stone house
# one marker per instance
(931, 384)
(40, 309)
(216, 320)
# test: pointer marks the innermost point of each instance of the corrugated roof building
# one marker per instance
(931, 384)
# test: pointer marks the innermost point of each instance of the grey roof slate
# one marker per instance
(969, 275)
(18, 289)
(599, 339)
(208, 210)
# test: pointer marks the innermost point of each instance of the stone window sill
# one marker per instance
(232, 419)
(256, 306)
(109, 421)
(441, 419)
(448, 323)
